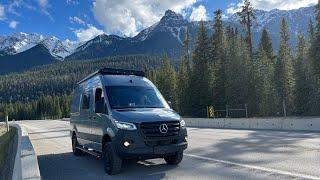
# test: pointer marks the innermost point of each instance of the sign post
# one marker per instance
(7, 123)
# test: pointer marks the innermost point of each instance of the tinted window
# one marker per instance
(98, 95)
(75, 105)
(134, 97)
(85, 101)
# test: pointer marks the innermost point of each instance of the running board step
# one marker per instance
(96, 154)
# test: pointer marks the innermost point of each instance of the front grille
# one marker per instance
(153, 136)
(151, 130)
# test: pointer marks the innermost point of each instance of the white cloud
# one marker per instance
(282, 4)
(198, 14)
(43, 3)
(76, 20)
(15, 6)
(273, 4)
(127, 17)
(87, 34)
(2, 14)
(72, 2)
(13, 24)
(234, 8)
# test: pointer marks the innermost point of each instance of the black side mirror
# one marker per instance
(100, 107)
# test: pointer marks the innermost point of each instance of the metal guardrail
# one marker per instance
(310, 124)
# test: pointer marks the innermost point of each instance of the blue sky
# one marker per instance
(80, 20)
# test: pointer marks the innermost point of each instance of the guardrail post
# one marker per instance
(246, 106)
(227, 111)
(284, 108)
(7, 123)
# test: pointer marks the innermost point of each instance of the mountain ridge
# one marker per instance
(163, 37)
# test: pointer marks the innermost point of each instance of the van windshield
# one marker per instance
(121, 97)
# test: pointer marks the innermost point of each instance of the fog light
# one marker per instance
(186, 138)
(126, 143)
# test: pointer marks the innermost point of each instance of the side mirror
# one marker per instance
(170, 103)
(100, 107)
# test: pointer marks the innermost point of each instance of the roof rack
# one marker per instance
(112, 71)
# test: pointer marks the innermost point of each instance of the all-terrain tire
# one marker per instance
(174, 159)
(111, 161)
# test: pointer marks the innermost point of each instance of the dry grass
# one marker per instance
(5, 138)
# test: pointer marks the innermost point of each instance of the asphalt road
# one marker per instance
(212, 154)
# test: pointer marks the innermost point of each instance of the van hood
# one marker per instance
(145, 115)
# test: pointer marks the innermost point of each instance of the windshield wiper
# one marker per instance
(117, 108)
(133, 107)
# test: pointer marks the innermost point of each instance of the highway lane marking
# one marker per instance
(292, 174)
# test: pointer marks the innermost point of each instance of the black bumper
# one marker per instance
(139, 149)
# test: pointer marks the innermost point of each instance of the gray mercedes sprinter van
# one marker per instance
(119, 114)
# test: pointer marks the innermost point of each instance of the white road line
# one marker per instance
(298, 175)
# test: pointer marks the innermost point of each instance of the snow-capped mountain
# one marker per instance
(164, 37)
(171, 21)
(298, 21)
(297, 18)
(167, 35)
(20, 42)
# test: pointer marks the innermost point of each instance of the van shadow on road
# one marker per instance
(68, 166)
(259, 147)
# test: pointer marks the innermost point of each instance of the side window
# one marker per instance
(99, 95)
(85, 101)
(75, 105)
(99, 102)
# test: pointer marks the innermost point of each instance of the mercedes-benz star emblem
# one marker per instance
(163, 128)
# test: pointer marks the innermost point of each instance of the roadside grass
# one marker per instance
(5, 138)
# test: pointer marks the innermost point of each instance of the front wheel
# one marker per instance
(174, 159)
(112, 162)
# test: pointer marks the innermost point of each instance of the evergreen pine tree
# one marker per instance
(266, 44)
(264, 86)
(311, 31)
(167, 81)
(284, 72)
(314, 54)
(303, 90)
(246, 18)
(199, 85)
(237, 70)
(218, 60)
(183, 87)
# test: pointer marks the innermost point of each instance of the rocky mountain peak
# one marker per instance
(171, 18)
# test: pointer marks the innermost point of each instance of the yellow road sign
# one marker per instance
(210, 110)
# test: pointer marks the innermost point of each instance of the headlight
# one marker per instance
(125, 126)
(182, 123)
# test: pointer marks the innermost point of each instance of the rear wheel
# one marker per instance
(174, 159)
(112, 162)
(76, 151)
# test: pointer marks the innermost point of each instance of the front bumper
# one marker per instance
(139, 149)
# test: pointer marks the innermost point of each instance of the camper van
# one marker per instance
(120, 115)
